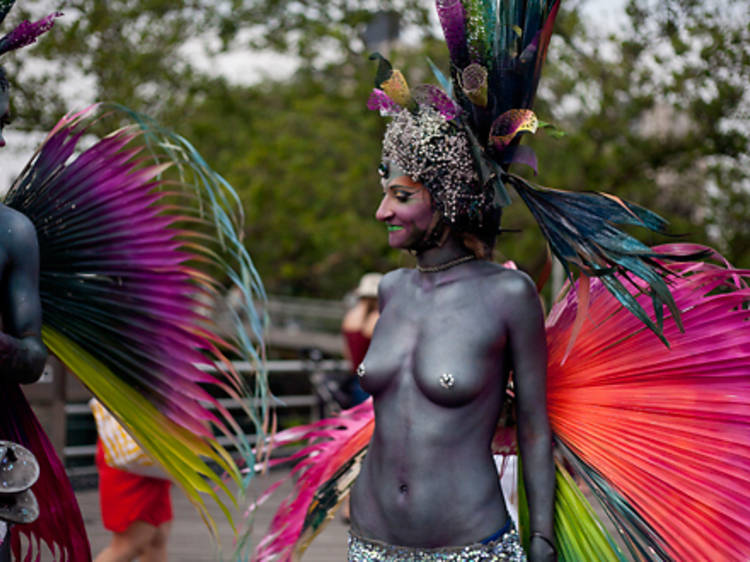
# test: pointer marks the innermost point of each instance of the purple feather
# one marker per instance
(452, 19)
(427, 94)
(27, 32)
(522, 154)
(382, 102)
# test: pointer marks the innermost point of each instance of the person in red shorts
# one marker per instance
(138, 511)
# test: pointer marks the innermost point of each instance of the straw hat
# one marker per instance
(368, 285)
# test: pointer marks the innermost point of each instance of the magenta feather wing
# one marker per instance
(128, 261)
(662, 435)
(325, 469)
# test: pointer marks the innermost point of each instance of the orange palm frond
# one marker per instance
(662, 434)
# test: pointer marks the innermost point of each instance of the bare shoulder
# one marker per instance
(16, 230)
(508, 282)
(15, 223)
(510, 288)
(390, 282)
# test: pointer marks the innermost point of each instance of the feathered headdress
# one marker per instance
(460, 140)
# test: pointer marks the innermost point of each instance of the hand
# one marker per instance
(541, 549)
(21, 360)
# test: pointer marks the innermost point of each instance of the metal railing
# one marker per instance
(308, 367)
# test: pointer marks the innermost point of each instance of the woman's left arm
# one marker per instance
(528, 349)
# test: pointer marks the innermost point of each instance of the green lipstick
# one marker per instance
(394, 228)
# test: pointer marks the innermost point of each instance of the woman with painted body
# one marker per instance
(22, 353)
(449, 334)
(453, 330)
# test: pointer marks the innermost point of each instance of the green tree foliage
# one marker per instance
(303, 158)
(319, 30)
(128, 51)
(304, 155)
(141, 52)
(656, 113)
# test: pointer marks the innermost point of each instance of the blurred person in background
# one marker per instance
(134, 498)
(357, 328)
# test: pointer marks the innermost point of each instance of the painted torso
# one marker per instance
(437, 369)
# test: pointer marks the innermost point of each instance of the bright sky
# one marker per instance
(247, 68)
(607, 13)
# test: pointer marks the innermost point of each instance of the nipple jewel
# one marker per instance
(447, 381)
(361, 371)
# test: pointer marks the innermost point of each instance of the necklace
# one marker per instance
(445, 265)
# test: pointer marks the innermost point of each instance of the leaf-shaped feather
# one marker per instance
(510, 124)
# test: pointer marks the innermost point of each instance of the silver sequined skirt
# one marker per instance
(507, 547)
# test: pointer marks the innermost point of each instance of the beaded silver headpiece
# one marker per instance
(431, 140)
(434, 151)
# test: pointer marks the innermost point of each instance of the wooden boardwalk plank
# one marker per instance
(190, 540)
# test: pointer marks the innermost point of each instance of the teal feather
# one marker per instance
(639, 537)
(445, 84)
(588, 237)
(489, 15)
